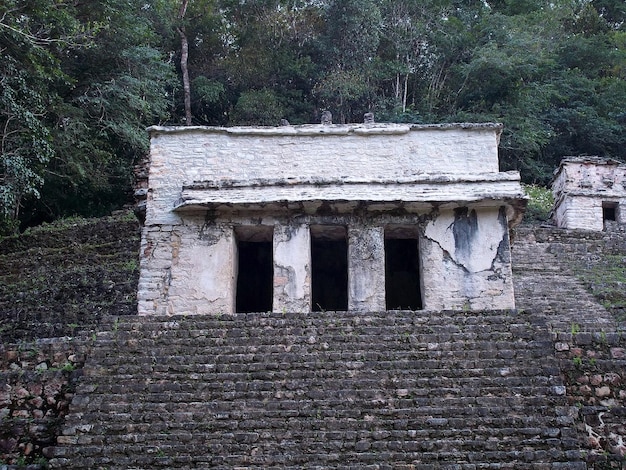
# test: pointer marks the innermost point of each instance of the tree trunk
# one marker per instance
(184, 58)
(397, 87)
(405, 92)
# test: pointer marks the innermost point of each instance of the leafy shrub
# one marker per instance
(540, 203)
(257, 108)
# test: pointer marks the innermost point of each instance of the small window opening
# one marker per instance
(402, 271)
(255, 269)
(329, 268)
(609, 211)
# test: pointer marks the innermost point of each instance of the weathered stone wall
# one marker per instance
(292, 273)
(191, 268)
(581, 186)
(594, 366)
(589, 342)
(37, 381)
(443, 181)
(388, 152)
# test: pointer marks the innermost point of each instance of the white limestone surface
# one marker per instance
(182, 155)
(292, 268)
(209, 186)
(366, 268)
(582, 186)
(466, 261)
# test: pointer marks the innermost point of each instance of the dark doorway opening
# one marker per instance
(609, 211)
(255, 272)
(402, 274)
(329, 268)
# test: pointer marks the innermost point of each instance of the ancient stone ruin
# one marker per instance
(367, 217)
(589, 193)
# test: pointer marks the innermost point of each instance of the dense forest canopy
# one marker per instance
(80, 80)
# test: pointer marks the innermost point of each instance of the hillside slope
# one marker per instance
(61, 278)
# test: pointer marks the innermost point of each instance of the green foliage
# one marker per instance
(352, 33)
(121, 85)
(540, 203)
(343, 91)
(258, 107)
(349, 42)
(27, 68)
(80, 81)
(208, 96)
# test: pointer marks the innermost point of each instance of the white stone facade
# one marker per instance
(589, 193)
(288, 192)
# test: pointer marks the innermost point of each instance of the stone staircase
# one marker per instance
(419, 390)
(544, 281)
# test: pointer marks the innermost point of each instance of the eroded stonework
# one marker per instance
(222, 202)
(589, 193)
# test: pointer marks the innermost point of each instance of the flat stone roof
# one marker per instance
(584, 159)
(323, 129)
(591, 159)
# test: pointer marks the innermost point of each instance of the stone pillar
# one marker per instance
(366, 268)
(155, 274)
(292, 268)
(204, 272)
(621, 211)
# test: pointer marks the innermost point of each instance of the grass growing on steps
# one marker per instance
(605, 277)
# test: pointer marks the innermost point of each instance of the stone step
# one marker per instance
(328, 348)
(416, 377)
(321, 342)
(438, 377)
(327, 318)
(375, 457)
(420, 402)
(255, 392)
(314, 436)
(313, 338)
(299, 321)
(427, 359)
(229, 414)
(335, 390)
(180, 441)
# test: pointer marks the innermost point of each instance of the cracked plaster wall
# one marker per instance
(466, 261)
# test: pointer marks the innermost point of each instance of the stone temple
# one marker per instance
(589, 193)
(361, 217)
